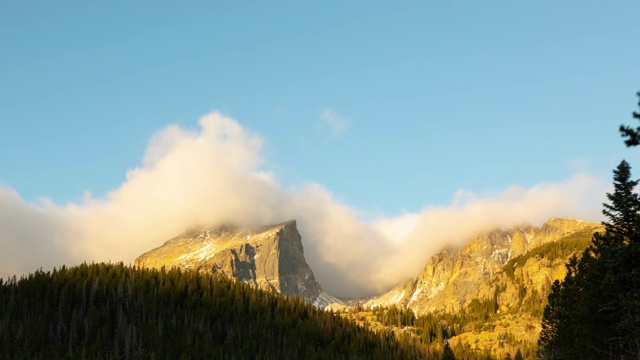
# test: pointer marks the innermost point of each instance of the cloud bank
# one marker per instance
(213, 175)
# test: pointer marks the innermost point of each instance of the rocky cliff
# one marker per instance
(270, 258)
(454, 277)
(489, 295)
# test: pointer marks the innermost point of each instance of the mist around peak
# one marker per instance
(214, 175)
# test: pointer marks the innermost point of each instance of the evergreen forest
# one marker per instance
(112, 311)
(594, 312)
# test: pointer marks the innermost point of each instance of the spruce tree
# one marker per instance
(624, 266)
(632, 135)
(595, 311)
(518, 355)
(448, 354)
(622, 212)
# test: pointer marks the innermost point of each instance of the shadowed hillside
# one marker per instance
(105, 311)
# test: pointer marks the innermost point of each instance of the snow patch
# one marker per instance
(436, 290)
(324, 300)
(414, 297)
(398, 297)
(206, 251)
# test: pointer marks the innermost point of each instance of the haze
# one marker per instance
(388, 130)
(212, 176)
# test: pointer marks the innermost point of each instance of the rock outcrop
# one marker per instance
(454, 277)
(270, 258)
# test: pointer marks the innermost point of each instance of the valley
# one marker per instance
(483, 299)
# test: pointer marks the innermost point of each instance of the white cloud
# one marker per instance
(336, 124)
(30, 236)
(213, 175)
(578, 197)
(397, 228)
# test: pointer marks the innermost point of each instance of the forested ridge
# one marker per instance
(112, 311)
(436, 331)
(563, 248)
(491, 327)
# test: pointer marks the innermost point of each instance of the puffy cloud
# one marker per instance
(435, 227)
(30, 236)
(188, 178)
(213, 175)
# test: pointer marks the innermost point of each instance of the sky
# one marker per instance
(387, 129)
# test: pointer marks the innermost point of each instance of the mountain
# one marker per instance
(270, 258)
(487, 297)
(453, 277)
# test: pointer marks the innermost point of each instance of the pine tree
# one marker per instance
(518, 355)
(448, 354)
(624, 268)
(633, 136)
(595, 311)
(622, 212)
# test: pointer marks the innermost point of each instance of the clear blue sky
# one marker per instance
(436, 96)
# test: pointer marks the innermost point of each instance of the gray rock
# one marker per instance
(270, 258)
(453, 277)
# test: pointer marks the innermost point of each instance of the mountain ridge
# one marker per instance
(486, 296)
(267, 257)
(453, 277)
(272, 257)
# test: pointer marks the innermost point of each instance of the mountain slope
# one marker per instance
(270, 258)
(487, 298)
(105, 311)
(453, 277)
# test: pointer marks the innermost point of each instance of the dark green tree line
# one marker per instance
(104, 311)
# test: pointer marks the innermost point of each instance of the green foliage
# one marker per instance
(102, 311)
(518, 355)
(393, 316)
(436, 329)
(595, 311)
(433, 330)
(560, 249)
(632, 135)
(448, 354)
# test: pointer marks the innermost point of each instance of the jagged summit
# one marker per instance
(452, 277)
(269, 257)
(272, 257)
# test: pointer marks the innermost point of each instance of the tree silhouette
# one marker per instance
(595, 311)
(448, 354)
(632, 135)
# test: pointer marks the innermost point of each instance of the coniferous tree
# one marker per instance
(104, 311)
(448, 354)
(632, 135)
(624, 258)
(622, 212)
(595, 311)
(518, 355)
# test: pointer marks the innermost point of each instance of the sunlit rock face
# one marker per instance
(270, 258)
(454, 277)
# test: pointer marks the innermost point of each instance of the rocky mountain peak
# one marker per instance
(452, 277)
(270, 257)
